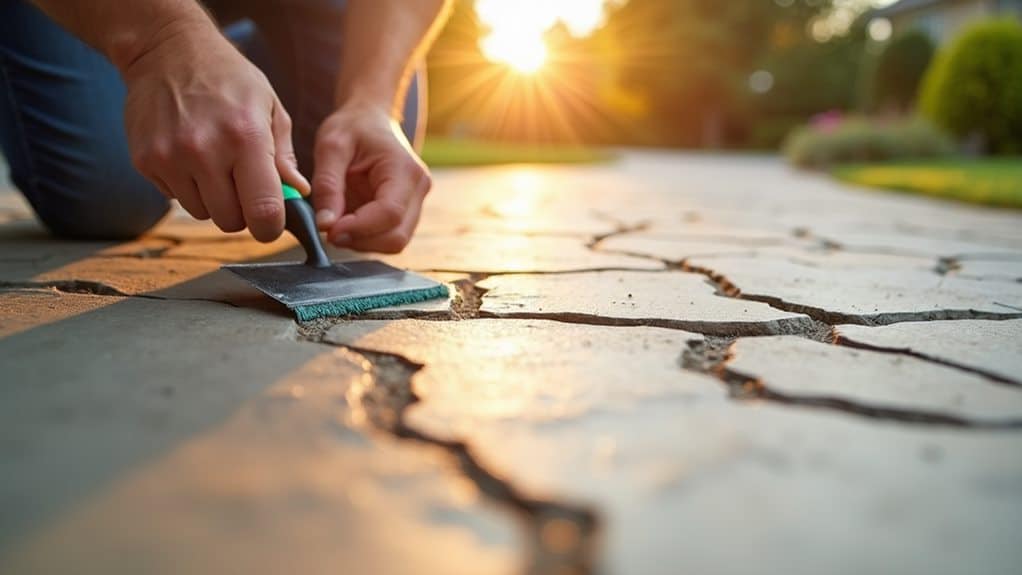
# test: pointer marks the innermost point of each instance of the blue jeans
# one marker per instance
(62, 108)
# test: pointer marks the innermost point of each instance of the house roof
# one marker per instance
(905, 6)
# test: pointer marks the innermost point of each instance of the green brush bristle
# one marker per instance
(363, 304)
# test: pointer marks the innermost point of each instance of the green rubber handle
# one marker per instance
(300, 220)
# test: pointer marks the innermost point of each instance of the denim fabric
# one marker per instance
(61, 109)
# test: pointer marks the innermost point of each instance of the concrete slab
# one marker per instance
(675, 468)
(523, 200)
(993, 347)
(908, 244)
(872, 379)
(672, 298)
(679, 249)
(508, 253)
(1010, 271)
(876, 296)
(235, 443)
(674, 249)
(573, 369)
(144, 433)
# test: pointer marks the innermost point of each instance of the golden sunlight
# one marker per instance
(516, 29)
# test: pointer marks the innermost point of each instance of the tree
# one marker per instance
(899, 71)
(974, 88)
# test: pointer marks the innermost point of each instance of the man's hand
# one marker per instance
(206, 127)
(369, 185)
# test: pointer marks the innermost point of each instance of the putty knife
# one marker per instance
(321, 288)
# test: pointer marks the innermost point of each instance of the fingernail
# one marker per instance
(342, 239)
(325, 218)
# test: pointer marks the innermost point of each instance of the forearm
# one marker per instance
(124, 30)
(382, 41)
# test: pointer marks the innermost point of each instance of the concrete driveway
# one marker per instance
(669, 364)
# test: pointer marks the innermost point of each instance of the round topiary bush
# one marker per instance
(900, 69)
(974, 87)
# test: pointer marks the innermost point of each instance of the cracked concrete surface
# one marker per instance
(992, 349)
(666, 364)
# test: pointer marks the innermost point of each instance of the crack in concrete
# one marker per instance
(710, 357)
(786, 326)
(725, 287)
(845, 341)
(89, 287)
(469, 297)
(81, 287)
(562, 536)
(467, 302)
(620, 229)
(494, 273)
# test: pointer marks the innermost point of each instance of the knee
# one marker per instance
(102, 210)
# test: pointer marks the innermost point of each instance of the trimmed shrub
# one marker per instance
(974, 88)
(899, 71)
(861, 140)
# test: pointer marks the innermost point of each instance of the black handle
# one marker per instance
(300, 220)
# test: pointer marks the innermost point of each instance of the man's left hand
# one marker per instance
(369, 184)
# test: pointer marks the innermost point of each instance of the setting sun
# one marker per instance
(516, 29)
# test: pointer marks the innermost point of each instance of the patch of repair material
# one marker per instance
(507, 253)
(606, 415)
(234, 441)
(97, 383)
(671, 298)
(799, 367)
(990, 347)
(289, 482)
(865, 296)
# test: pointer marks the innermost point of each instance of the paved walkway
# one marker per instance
(673, 364)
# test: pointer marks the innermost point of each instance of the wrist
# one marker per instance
(362, 107)
(126, 48)
(367, 97)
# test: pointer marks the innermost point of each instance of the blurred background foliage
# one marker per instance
(829, 83)
(974, 89)
(671, 73)
(706, 73)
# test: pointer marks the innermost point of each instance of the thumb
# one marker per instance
(334, 154)
(284, 151)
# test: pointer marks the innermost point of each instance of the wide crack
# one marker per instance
(711, 355)
(561, 537)
(986, 374)
(724, 287)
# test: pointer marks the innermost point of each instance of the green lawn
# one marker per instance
(995, 182)
(439, 153)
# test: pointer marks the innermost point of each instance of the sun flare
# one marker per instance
(517, 29)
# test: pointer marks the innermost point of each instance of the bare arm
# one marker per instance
(124, 30)
(369, 184)
(383, 40)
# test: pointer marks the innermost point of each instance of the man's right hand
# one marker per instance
(206, 127)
